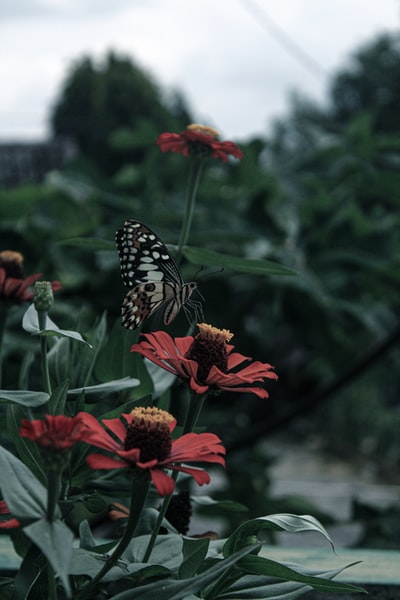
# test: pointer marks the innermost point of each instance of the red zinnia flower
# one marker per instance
(13, 285)
(206, 361)
(55, 432)
(8, 523)
(199, 141)
(142, 439)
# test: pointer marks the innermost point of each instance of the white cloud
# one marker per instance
(229, 63)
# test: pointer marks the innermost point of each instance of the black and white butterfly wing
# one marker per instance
(144, 257)
(152, 275)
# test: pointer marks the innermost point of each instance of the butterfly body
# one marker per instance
(152, 275)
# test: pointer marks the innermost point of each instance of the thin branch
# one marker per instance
(308, 403)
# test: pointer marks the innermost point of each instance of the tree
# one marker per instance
(371, 83)
(97, 101)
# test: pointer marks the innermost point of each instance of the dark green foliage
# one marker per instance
(372, 83)
(113, 111)
(320, 196)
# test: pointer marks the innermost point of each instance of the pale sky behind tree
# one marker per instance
(235, 61)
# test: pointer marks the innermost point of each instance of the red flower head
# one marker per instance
(13, 285)
(200, 142)
(55, 433)
(207, 361)
(8, 522)
(142, 439)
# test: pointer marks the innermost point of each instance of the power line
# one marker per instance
(292, 47)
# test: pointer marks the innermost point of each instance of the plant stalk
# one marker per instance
(42, 318)
(196, 168)
(195, 404)
(3, 319)
(140, 489)
(53, 492)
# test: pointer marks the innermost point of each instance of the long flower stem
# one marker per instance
(42, 317)
(3, 319)
(196, 167)
(140, 489)
(156, 528)
(51, 580)
(53, 492)
(195, 404)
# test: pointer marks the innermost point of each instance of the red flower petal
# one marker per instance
(117, 427)
(10, 524)
(170, 354)
(172, 142)
(56, 432)
(163, 483)
(101, 461)
(192, 447)
(199, 475)
(182, 142)
(96, 434)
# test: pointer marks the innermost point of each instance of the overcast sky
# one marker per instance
(236, 61)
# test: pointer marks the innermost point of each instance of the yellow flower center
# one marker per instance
(150, 433)
(208, 349)
(152, 414)
(204, 129)
(223, 335)
(12, 262)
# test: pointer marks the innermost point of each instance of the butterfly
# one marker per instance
(152, 276)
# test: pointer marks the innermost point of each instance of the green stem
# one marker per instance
(53, 492)
(196, 167)
(221, 583)
(140, 489)
(3, 319)
(156, 528)
(42, 318)
(52, 591)
(195, 404)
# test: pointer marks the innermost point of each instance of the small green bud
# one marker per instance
(43, 297)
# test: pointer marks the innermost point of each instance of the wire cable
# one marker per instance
(291, 47)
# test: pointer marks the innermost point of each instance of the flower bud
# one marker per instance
(43, 297)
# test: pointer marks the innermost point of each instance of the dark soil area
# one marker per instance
(376, 592)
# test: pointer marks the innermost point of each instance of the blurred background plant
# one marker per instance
(319, 195)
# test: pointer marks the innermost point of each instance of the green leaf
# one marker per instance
(60, 359)
(223, 504)
(116, 361)
(58, 399)
(277, 522)
(84, 358)
(25, 496)
(86, 562)
(210, 258)
(167, 551)
(194, 553)
(161, 379)
(55, 541)
(107, 388)
(171, 589)
(6, 588)
(30, 323)
(30, 572)
(258, 587)
(258, 565)
(27, 450)
(89, 243)
(24, 397)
